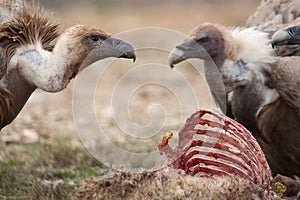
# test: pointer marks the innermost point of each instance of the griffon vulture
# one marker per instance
(30, 59)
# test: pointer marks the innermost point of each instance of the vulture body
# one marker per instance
(264, 86)
(279, 121)
(31, 59)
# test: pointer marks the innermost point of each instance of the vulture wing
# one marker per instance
(280, 126)
(273, 15)
(8, 9)
(286, 75)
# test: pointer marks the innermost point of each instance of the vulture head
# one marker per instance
(76, 48)
(286, 36)
(205, 42)
(222, 45)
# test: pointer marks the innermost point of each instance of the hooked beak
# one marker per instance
(189, 48)
(176, 56)
(123, 49)
(288, 36)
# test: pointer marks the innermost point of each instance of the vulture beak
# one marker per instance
(288, 36)
(121, 49)
(189, 48)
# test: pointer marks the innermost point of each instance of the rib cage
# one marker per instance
(211, 144)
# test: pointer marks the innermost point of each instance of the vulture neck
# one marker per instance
(50, 71)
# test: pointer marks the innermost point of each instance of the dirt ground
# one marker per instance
(134, 104)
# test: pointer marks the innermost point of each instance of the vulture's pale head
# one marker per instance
(83, 45)
(222, 46)
(77, 48)
(286, 36)
(84, 39)
(205, 42)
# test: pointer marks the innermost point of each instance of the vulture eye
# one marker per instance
(95, 38)
(203, 39)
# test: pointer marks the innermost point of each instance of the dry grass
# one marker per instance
(49, 169)
(175, 185)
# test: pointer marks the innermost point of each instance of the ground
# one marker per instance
(46, 152)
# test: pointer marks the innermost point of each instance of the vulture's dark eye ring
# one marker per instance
(95, 38)
(203, 39)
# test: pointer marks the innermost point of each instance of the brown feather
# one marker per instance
(279, 121)
(280, 125)
(285, 76)
(6, 102)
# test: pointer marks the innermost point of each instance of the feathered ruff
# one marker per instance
(30, 26)
(255, 49)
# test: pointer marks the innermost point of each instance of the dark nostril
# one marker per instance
(292, 30)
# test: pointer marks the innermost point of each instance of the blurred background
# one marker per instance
(118, 15)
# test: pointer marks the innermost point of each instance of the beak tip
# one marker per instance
(133, 56)
(280, 37)
(129, 55)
